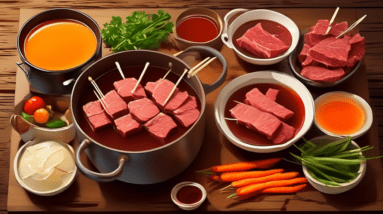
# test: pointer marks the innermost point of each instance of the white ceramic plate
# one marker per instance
(263, 77)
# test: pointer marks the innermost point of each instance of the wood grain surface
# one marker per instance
(371, 28)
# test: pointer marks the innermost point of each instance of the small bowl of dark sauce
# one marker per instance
(199, 26)
(188, 195)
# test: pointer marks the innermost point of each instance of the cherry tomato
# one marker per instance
(33, 104)
(41, 115)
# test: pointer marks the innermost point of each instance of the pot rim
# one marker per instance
(202, 100)
(98, 48)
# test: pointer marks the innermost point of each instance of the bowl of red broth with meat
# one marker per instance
(264, 112)
(261, 37)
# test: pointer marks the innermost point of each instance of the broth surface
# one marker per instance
(60, 45)
(142, 140)
(286, 97)
(197, 29)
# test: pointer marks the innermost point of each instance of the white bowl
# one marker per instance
(67, 182)
(251, 15)
(329, 189)
(183, 206)
(263, 77)
(358, 100)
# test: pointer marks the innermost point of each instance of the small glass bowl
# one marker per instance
(183, 206)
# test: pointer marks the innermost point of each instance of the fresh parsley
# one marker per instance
(140, 31)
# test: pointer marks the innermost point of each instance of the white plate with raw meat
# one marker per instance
(264, 111)
(261, 37)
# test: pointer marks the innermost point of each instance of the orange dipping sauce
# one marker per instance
(60, 45)
(341, 116)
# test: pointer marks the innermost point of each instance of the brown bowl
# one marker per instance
(215, 43)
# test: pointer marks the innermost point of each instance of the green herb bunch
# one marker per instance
(140, 31)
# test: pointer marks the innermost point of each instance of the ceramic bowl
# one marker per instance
(357, 100)
(329, 189)
(296, 67)
(263, 77)
(183, 206)
(250, 15)
(200, 12)
(66, 183)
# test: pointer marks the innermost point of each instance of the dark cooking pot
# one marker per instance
(154, 165)
(55, 82)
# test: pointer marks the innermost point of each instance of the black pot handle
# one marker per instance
(23, 69)
(102, 177)
(209, 51)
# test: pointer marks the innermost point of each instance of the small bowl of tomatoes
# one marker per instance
(44, 117)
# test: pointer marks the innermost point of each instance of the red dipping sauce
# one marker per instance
(197, 29)
(189, 194)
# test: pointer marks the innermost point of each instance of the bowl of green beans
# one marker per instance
(332, 165)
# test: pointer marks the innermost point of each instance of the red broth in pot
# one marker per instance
(142, 140)
(286, 97)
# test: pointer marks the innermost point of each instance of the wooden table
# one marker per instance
(370, 28)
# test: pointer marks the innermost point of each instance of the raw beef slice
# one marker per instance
(124, 89)
(143, 109)
(92, 108)
(150, 86)
(99, 121)
(127, 125)
(261, 43)
(272, 94)
(160, 126)
(284, 134)
(331, 52)
(323, 74)
(357, 50)
(302, 56)
(161, 93)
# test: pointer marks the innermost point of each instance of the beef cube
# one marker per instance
(317, 73)
(150, 86)
(117, 109)
(272, 94)
(143, 109)
(124, 89)
(161, 126)
(161, 93)
(338, 28)
(316, 33)
(331, 52)
(127, 125)
(302, 56)
(188, 117)
(255, 119)
(261, 43)
(111, 97)
(92, 108)
(284, 134)
(357, 50)
(99, 121)
(260, 101)
(189, 104)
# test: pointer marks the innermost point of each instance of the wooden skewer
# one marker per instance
(167, 73)
(142, 74)
(332, 20)
(99, 98)
(352, 26)
(197, 66)
(176, 54)
(119, 69)
(239, 102)
(175, 87)
(230, 118)
(202, 66)
(96, 87)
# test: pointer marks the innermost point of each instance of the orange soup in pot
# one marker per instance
(60, 45)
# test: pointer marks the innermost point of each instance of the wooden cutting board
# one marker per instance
(88, 195)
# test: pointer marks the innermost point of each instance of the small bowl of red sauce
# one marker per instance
(199, 26)
(188, 195)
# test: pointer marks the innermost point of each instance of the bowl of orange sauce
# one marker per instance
(55, 46)
(341, 113)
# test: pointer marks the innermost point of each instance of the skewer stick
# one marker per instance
(96, 87)
(171, 66)
(332, 20)
(352, 26)
(197, 66)
(119, 69)
(226, 118)
(200, 68)
(175, 87)
(99, 98)
(142, 75)
(176, 54)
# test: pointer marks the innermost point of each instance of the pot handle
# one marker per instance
(209, 51)
(102, 177)
(23, 69)
(224, 36)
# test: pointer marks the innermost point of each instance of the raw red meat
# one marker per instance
(92, 108)
(124, 89)
(331, 52)
(302, 56)
(127, 125)
(143, 109)
(261, 43)
(160, 126)
(260, 101)
(318, 73)
(161, 93)
(272, 94)
(150, 86)
(284, 134)
(255, 119)
(357, 50)
(115, 105)
(338, 28)
(96, 115)
(317, 32)
(188, 113)
(190, 103)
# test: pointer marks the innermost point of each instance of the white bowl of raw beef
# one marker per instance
(261, 129)
(276, 29)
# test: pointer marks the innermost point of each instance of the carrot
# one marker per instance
(235, 176)
(273, 177)
(288, 189)
(215, 178)
(257, 187)
(242, 166)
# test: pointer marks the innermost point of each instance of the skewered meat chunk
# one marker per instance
(188, 113)
(124, 89)
(127, 125)
(143, 109)
(96, 115)
(161, 93)
(161, 126)
(115, 105)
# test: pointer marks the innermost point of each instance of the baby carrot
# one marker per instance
(274, 177)
(288, 189)
(215, 178)
(235, 176)
(242, 166)
(257, 187)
